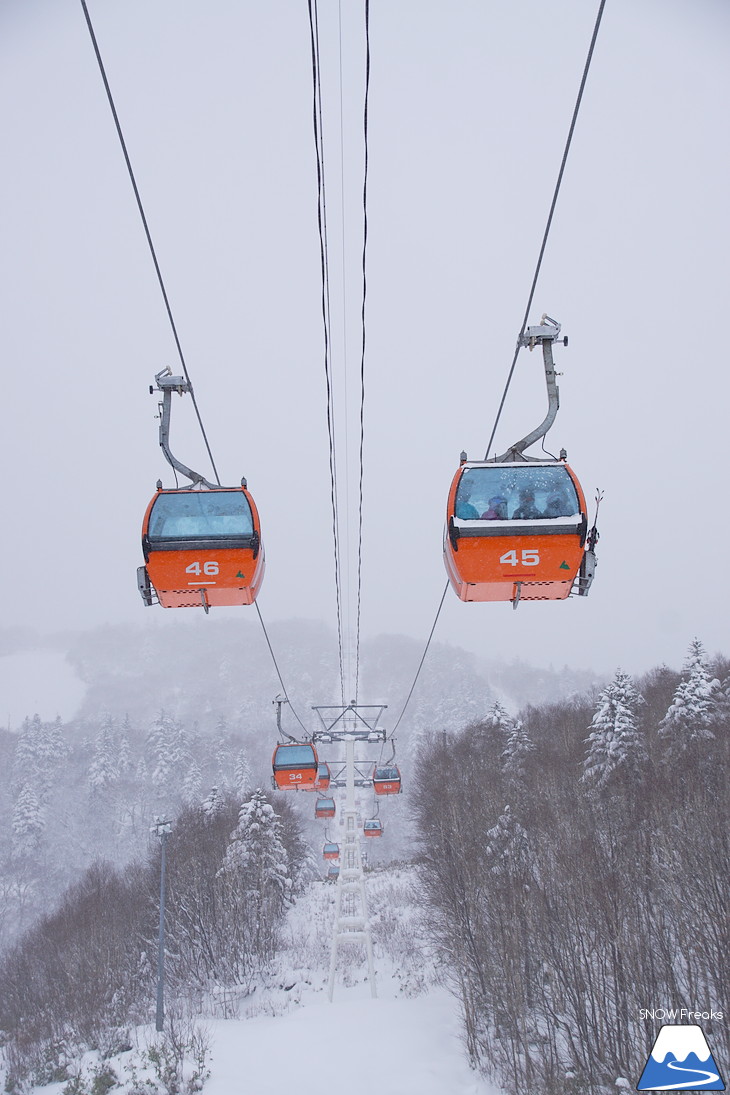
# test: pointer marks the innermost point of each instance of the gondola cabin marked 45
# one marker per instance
(295, 766)
(517, 527)
(515, 530)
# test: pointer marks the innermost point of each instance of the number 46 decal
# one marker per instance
(208, 568)
(530, 558)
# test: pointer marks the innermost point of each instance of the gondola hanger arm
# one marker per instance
(167, 384)
(543, 334)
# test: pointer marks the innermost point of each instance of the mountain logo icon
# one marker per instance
(680, 1060)
(563, 566)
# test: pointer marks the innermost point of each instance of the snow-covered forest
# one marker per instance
(566, 858)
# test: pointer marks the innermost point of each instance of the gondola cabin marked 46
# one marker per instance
(202, 547)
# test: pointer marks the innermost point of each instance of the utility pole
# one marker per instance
(162, 827)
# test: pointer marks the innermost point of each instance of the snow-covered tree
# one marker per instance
(515, 756)
(242, 774)
(213, 803)
(615, 745)
(192, 785)
(28, 824)
(103, 769)
(685, 731)
(506, 845)
(167, 742)
(496, 726)
(257, 852)
(40, 751)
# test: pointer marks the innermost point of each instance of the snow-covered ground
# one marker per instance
(395, 1046)
(287, 1037)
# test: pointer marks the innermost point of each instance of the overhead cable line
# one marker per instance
(167, 304)
(362, 357)
(278, 671)
(546, 233)
(324, 268)
(549, 220)
(158, 271)
(423, 658)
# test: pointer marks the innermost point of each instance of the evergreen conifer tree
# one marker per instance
(28, 824)
(615, 745)
(685, 731)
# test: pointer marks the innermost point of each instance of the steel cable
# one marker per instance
(549, 220)
(145, 225)
(362, 358)
(324, 270)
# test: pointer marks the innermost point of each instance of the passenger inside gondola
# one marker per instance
(387, 773)
(516, 492)
(465, 509)
(527, 510)
(200, 515)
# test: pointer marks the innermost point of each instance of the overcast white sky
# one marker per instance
(470, 104)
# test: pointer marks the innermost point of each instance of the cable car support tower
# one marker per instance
(350, 725)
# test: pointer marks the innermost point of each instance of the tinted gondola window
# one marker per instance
(387, 773)
(200, 515)
(294, 756)
(516, 493)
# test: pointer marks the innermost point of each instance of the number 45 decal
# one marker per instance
(208, 568)
(530, 558)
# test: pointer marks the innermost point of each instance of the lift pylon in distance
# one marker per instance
(201, 542)
(517, 527)
(356, 726)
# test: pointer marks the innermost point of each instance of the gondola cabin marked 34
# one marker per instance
(324, 807)
(202, 548)
(386, 780)
(515, 531)
(295, 766)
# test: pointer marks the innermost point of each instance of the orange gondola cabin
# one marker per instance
(201, 547)
(331, 851)
(324, 807)
(386, 780)
(517, 531)
(323, 777)
(516, 526)
(373, 827)
(295, 766)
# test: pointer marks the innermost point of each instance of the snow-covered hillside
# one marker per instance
(287, 1037)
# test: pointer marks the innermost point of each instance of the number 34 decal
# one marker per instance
(208, 568)
(530, 558)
